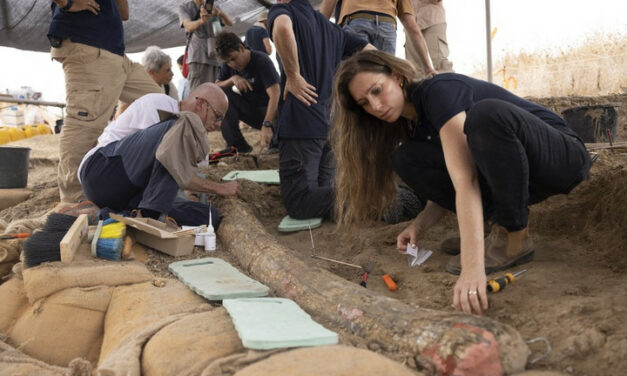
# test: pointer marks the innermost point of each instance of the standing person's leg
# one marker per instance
(435, 36)
(93, 82)
(195, 76)
(299, 164)
(385, 37)
(138, 83)
(364, 28)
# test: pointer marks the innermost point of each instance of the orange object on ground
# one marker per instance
(389, 282)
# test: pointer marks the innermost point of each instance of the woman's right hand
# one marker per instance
(410, 235)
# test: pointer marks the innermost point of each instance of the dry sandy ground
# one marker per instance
(574, 292)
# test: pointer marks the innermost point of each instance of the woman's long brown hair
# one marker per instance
(364, 145)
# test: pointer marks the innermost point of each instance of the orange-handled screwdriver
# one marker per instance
(19, 235)
(496, 285)
(389, 282)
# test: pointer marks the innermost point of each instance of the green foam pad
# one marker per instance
(215, 279)
(259, 176)
(271, 323)
(289, 224)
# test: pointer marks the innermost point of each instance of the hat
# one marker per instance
(263, 16)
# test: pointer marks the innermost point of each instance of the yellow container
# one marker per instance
(16, 133)
(5, 137)
(44, 129)
(30, 131)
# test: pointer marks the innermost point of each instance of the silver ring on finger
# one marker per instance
(473, 292)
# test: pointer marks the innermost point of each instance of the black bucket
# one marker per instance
(14, 167)
(593, 123)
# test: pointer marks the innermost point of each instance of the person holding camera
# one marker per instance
(87, 38)
(202, 21)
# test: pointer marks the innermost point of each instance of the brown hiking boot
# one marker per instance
(453, 245)
(503, 250)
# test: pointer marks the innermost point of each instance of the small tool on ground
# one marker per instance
(389, 282)
(313, 254)
(496, 285)
(367, 270)
(19, 235)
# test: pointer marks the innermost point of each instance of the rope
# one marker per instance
(546, 353)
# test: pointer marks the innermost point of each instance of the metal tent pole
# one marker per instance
(488, 37)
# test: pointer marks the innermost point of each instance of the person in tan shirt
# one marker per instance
(146, 169)
(431, 19)
(375, 20)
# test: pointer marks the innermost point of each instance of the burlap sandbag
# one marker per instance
(9, 256)
(63, 326)
(10, 197)
(49, 278)
(135, 314)
(13, 304)
(335, 360)
(16, 363)
(205, 337)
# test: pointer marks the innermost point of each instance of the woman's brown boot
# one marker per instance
(503, 250)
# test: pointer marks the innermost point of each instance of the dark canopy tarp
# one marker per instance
(24, 23)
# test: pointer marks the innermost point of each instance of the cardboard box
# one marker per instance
(158, 235)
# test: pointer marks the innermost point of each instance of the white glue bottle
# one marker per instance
(210, 235)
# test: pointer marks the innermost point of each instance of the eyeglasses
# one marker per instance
(219, 116)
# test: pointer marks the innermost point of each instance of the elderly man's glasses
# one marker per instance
(219, 116)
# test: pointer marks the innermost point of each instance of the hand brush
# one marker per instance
(43, 246)
(108, 240)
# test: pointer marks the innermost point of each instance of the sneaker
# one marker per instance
(503, 250)
(83, 207)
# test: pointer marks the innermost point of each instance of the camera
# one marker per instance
(208, 5)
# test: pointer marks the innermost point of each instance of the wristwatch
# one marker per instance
(267, 123)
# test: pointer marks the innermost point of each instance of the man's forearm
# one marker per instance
(416, 39)
(273, 92)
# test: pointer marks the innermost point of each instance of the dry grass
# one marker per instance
(598, 66)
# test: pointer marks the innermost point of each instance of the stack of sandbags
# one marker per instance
(9, 256)
(136, 312)
(207, 337)
(14, 362)
(56, 312)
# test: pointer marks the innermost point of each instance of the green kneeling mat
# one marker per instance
(259, 176)
(272, 323)
(215, 279)
(289, 224)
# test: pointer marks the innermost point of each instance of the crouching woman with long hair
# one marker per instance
(462, 145)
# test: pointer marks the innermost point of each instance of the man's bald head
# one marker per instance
(207, 101)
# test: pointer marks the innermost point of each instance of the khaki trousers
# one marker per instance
(435, 36)
(94, 81)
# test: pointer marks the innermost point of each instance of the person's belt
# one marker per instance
(369, 16)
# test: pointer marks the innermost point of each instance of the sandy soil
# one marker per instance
(573, 293)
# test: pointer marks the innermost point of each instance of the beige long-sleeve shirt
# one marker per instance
(182, 147)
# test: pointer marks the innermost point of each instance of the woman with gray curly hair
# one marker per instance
(159, 66)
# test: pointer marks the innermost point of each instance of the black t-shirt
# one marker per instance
(254, 38)
(259, 72)
(321, 46)
(104, 30)
(443, 96)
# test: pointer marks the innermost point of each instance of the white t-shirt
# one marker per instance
(141, 114)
